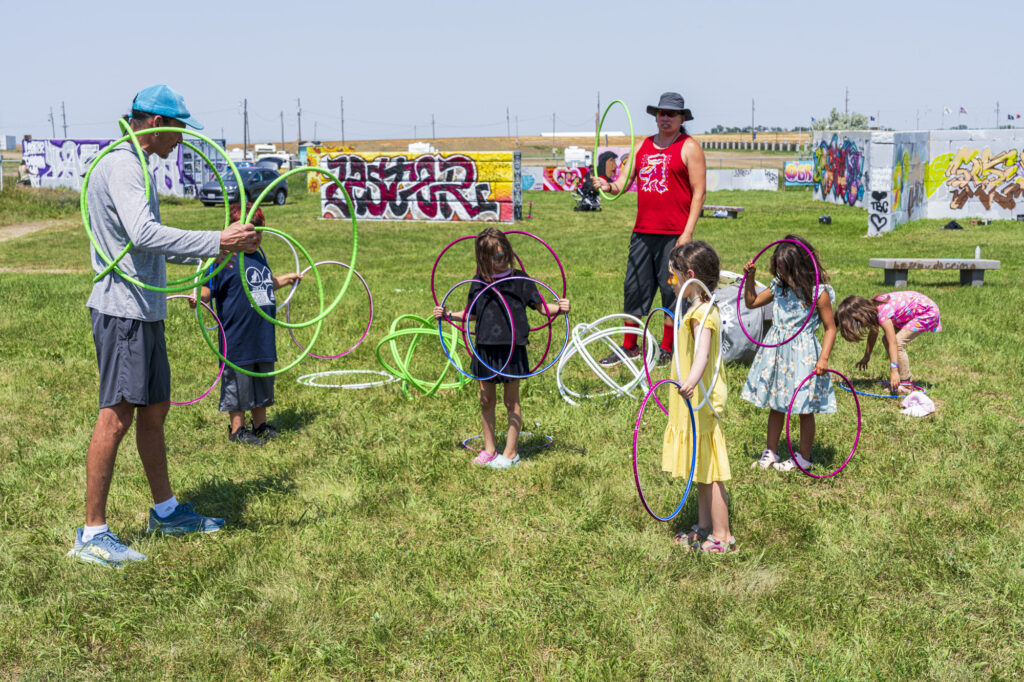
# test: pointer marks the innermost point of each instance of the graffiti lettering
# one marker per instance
(64, 163)
(839, 171)
(879, 218)
(799, 172)
(989, 178)
(428, 187)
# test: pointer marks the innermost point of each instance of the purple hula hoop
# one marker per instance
(561, 269)
(643, 348)
(814, 300)
(693, 456)
(789, 414)
(224, 346)
(469, 347)
(288, 305)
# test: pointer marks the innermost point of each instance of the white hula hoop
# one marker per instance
(580, 339)
(310, 379)
(675, 343)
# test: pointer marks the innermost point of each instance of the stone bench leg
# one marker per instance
(973, 277)
(898, 278)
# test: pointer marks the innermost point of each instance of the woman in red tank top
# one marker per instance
(670, 174)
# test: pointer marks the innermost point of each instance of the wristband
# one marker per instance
(893, 365)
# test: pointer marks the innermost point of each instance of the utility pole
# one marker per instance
(64, 119)
(298, 103)
(433, 134)
(282, 130)
(753, 134)
(508, 123)
(517, 130)
(997, 115)
(315, 135)
(245, 129)
(917, 126)
(53, 129)
(414, 133)
(846, 109)
(342, 121)
(554, 152)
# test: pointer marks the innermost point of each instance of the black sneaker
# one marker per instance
(664, 357)
(266, 431)
(245, 436)
(613, 358)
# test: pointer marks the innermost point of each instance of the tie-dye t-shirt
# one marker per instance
(909, 310)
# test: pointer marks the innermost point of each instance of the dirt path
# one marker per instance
(15, 231)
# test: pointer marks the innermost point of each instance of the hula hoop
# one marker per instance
(877, 395)
(632, 150)
(316, 332)
(111, 264)
(675, 344)
(310, 379)
(643, 347)
(426, 328)
(447, 353)
(561, 268)
(579, 346)
(298, 266)
(348, 278)
(534, 372)
(693, 457)
(814, 300)
(224, 340)
(789, 414)
(548, 440)
(287, 313)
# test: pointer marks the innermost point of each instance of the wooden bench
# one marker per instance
(723, 211)
(972, 270)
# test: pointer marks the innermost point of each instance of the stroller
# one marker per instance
(586, 195)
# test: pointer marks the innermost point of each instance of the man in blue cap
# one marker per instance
(128, 328)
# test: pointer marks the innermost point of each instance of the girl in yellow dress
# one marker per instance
(697, 359)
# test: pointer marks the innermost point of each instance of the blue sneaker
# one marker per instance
(183, 520)
(104, 549)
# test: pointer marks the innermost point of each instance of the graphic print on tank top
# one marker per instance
(654, 173)
(261, 284)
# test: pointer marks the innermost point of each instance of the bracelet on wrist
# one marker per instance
(893, 365)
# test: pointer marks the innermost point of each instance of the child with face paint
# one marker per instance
(494, 338)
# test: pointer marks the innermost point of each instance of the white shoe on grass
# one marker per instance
(768, 458)
(789, 465)
(503, 462)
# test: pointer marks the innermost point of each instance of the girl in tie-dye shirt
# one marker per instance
(902, 315)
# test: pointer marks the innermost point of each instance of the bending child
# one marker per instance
(494, 258)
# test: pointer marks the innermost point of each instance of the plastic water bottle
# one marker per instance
(977, 252)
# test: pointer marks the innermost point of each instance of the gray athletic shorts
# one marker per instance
(240, 392)
(132, 359)
(646, 272)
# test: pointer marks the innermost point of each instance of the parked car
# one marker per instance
(254, 180)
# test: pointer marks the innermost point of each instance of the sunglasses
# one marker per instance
(669, 113)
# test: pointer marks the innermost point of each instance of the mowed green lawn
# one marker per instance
(363, 544)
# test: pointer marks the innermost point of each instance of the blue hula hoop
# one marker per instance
(878, 395)
(528, 374)
(693, 456)
(465, 330)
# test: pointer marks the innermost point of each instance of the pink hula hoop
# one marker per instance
(814, 299)
(789, 414)
(287, 313)
(224, 346)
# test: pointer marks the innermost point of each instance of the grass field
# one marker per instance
(363, 545)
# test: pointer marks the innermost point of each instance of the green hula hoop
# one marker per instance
(632, 149)
(176, 286)
(425, 329)
(316, 332)
(352, 262)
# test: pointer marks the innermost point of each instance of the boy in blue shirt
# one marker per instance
(250, 339)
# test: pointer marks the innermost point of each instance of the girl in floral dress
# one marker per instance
(902, 315)
(776, 372)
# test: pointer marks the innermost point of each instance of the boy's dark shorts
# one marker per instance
(240, 392)
(132, 360)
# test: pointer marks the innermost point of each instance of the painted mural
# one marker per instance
(64, 163)
(907, 189)
(996, 180)
(766, 179)
(477, 186)
(799, 173)
(562, 179)
(313, 154)
(839, 171)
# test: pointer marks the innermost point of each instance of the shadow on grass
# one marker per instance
(291, 419)
(229, 499)
(530, 445)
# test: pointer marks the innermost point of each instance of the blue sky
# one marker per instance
(398, 63)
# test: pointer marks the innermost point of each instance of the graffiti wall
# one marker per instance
(313, 154)
(562, 179)
(64, 163)
(440, 186)
(799, 173)
(975, 173)
(906, 190)
(840, 166)
(743, 179)
(533, 178)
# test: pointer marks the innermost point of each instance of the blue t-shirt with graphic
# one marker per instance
(250, 338)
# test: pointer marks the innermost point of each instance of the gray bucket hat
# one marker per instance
(671, 101)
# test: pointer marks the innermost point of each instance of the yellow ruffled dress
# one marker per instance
(712, 458)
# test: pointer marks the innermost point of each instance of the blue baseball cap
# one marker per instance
(165, 101)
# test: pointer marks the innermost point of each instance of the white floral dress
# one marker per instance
(775, 372)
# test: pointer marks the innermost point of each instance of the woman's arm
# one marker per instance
(825, 310)
(621, 184)
(693, 157)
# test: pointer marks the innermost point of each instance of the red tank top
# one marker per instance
(663, 188)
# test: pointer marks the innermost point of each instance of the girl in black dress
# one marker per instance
(493, 338)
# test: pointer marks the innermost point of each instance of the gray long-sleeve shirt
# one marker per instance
(119, 212)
